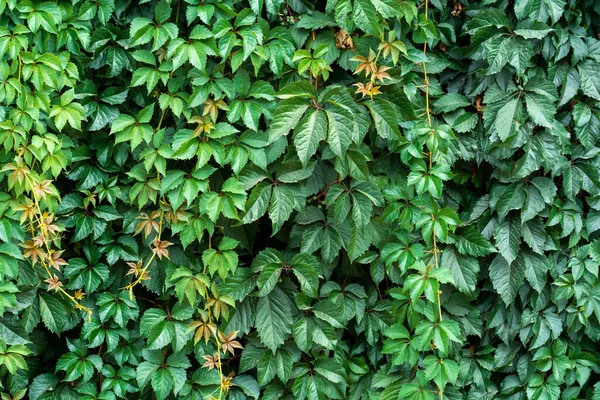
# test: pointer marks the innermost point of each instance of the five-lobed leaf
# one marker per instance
(473, 147)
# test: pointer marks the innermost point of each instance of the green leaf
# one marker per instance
(340, 123)
(532, 29)
(534, 234)
(248, 385)
(268, 278)
(534, 203)
(470, 242)
(589, 73)
(511, 197)
(488, 17)
(53, 313)
(331, 369)
(307, 270)
(222, 260)
(281, 206)
(536, 267)
(385, 118)
(504, 123)
(499, 52)
(42, 384)
(508, 239)
(572, 177)
(9, 256)
(156, 329)
(309, 132)
(365, 16)
(451, 102)
(441, 334)
(329, 312)
(258, 202)
(506, 278)
(441, 371)
(287, 115)
(274, 319)
(12, 333)
(540, 109)
(465, 269)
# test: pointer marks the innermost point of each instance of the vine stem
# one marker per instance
(43, 262)
(429, 123)
(142, 273)
(162, 116)
(177, 13)
(220, 368)
(435, 259)
(20, 68)
(219, 362)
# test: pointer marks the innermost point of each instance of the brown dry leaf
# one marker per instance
(148, 223)
(144, 275)
(204, 328)
(135, 268)
(457, 9)
(40, 241)
(53, 283)
(161, 54)
(41, 189)
(160, 248)
(203, 125)
(20, 171)
(478, 104)
(212, 107)
(33, 250)
(28, 210)
(211, 361)
(343, 40)
(54, 259)
(47, 224)
(367, 89)
(226, 383)
(381, 73)
(228, 343)
(174, 216)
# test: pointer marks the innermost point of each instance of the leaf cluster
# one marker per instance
(303, 199)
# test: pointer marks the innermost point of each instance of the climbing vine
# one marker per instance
(341, 199)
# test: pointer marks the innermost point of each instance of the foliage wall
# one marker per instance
(302, 199)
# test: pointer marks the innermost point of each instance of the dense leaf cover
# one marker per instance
(302, 199)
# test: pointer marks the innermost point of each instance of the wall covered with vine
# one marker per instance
(301, 199)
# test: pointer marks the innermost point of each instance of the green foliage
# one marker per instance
(341, 199)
